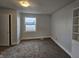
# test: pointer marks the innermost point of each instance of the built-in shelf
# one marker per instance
(75, 24)
(75, 32)
(76, 17)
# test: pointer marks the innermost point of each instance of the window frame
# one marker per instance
(35, 24)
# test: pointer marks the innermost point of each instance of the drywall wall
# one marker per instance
(4, 31)
(18, 27)
(5, 42)
(62, 22)
(42, 26)
(14, 28)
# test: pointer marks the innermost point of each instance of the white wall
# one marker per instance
(62, 22)
(4, 29)
(13, 27)
(18, 27)
(42, 26)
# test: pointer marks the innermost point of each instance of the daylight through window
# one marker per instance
(30, 24)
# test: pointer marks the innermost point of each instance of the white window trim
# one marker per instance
(35, 25)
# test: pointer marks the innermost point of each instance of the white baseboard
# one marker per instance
(14, 43)
(61, 46)
(25, 38)
(18, 41)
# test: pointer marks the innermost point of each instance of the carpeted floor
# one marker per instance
(35, 49)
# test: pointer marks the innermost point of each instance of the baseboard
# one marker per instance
(14, 43)
(41, 37)
(18, 41)
(61, 46)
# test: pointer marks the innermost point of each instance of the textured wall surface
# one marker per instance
(62, 22)
(42, 26)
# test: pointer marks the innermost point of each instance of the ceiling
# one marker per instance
(37, 6)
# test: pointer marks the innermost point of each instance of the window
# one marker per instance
(30, 24)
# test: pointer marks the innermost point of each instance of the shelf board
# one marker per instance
(75, 32)
(76, 17)
(76, 25)
(76, 40)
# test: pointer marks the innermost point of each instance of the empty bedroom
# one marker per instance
(39, 28)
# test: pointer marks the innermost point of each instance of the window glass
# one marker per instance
(30, 24)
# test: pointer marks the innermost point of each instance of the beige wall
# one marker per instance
(4, 31)
(13, 27)
(62, 22)
(42, 26)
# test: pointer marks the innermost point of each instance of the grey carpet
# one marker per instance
(35, 49)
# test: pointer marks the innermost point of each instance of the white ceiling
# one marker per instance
(37, 6)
